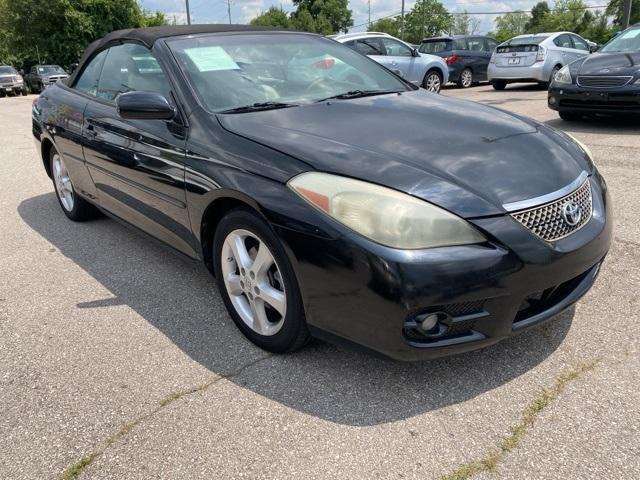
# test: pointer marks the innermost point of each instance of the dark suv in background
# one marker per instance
(42, 76)
(466, 55)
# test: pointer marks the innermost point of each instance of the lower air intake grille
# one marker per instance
(603, 81)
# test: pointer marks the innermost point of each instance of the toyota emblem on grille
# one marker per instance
(571, 213)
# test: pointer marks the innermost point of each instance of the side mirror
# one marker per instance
(144, 106)
(594, 48)
(21, 72)
(415, 52)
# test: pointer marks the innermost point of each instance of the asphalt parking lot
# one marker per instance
(118, 360)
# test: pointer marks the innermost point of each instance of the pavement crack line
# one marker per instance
(489, 462)
(73, 471)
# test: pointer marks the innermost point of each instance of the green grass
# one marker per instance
(489, 462)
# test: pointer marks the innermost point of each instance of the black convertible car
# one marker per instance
(329, 197)
(607, 82)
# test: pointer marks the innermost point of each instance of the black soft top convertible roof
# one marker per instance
(149, 35)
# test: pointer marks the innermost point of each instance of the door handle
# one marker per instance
(91, 131)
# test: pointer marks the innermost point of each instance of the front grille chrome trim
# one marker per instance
(608, 81)
(548, 221)
(547, 198)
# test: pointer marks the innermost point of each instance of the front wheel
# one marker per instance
(466, 78)
(432, 81)
(569, 116)
(257, 282)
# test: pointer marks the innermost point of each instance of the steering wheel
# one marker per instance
(315, 84)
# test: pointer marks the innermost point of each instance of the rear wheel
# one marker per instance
(257, 282)
(74, 207)
(432, 81)
(466, 78)
(570, 116)
(498, 85)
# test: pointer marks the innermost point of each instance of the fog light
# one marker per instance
(429, 321)
(552, 100)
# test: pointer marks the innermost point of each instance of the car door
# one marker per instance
(580, 47)
(399, 56)
(137, 165)
(478, 57)
(564, 46)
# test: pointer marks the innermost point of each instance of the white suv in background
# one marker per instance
(534, 58)
(424, 70)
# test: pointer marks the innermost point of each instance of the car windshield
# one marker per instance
(7, 70)
(435, 46)
(270, 70)
(628, 42)
(50, 69)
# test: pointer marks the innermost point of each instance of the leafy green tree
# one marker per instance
(427, 18)
(464, 24)
(616, 10)
(58, 31)
(386, 25)
(598, 30)
(273, 17)
(509, 25)
(330, 16)
(538, 13)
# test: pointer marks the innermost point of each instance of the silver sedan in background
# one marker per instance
(534, 58)
(428, 71)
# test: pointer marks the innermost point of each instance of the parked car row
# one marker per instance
(11, 82)
(39, 77)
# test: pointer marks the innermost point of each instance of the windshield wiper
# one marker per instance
(359, 94)
(256, 107)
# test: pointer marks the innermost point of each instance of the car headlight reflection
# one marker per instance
(383, 215)
(563, 76)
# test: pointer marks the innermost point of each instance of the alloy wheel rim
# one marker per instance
(466, 78)
(433, 83)
(254, 282)
(64, 188)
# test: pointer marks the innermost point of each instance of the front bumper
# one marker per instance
(365, 293)
(533, 73)
(572, 98)
(12, 87)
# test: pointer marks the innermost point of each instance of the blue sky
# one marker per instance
(215, 11)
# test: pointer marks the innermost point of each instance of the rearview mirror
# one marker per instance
(144, 106)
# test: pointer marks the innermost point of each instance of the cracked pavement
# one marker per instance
(112, 344)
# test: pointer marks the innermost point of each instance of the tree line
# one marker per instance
(58, 31)
(428, 18)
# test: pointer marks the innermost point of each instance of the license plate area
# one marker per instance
(513, 61)
(595, 97)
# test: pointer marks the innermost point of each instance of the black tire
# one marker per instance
(24, 92)
(570, 116)
(82, 210)
(426, 81)
(498, 85)
(293, 334)
(465, 80)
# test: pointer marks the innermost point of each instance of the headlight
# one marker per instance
(383, 215)
(19, 78)
(563, 76)
(584, 148)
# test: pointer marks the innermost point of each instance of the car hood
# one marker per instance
(463, 156)
(608, 64)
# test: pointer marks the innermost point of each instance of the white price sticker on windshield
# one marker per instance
(211, 59)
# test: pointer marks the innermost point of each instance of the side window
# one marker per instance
(395, 48)
(366, 47)
(476, 44)
(460, 44)
(370, 46)
(88, 80)
(579, 43)
(128, 67)
(563, 41)
(33, 70)
(491, 44)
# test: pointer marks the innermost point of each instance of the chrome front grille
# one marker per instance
(601, 81)
(548, 221)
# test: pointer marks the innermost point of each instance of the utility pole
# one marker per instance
(369, 23)
(626, 14)
(188, 12)
(402, 22)
(229, 10)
